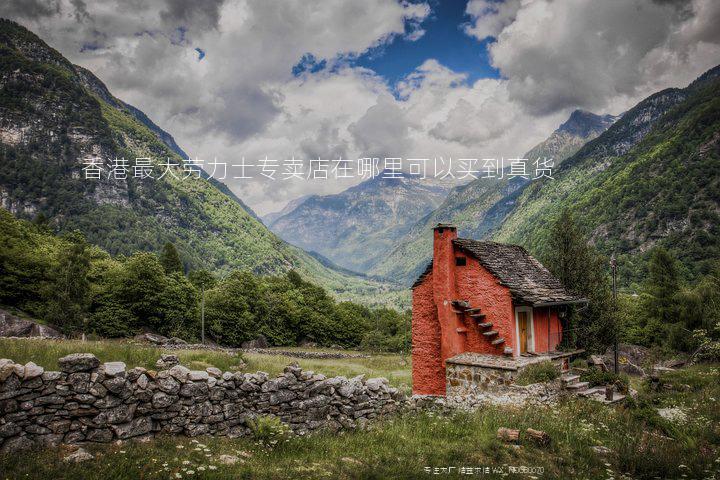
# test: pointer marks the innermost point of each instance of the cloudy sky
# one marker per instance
(347, 78)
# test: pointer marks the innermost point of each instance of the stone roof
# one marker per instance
(526, 278)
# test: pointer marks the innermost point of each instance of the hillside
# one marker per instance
(652, 179)
(351, 227)
(54, 116)
(480, 206)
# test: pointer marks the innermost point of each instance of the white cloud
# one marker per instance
(490, 17)
(597, 55)
(241, 99)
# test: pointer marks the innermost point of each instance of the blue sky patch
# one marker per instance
(444, 40)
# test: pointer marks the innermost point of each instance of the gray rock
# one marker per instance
(79, 381)
(163, 400)
(114, 369)
(195, 389)
(142, 381)
(377, 384)
(198, 375)
(7, 368)
(152, 338)
(51, 376)
(121, 414)
(168, 385)
(32, 371)
(139, 426)
(179, 372)
(259, 342)
(228, 459)
(281, 396)
(9, 429)
(119, 386)
(16, 444)
(78, 362)
(80, 455)
(99, 435)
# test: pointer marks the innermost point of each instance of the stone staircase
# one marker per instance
(572, 384)
(462, 307)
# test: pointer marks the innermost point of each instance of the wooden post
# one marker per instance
(538, 436)
(508, 434)
(609, 393)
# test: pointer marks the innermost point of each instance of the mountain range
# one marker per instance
(351, 227)
(56, 117)
(648, 177)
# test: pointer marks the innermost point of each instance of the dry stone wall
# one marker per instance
(92, 402)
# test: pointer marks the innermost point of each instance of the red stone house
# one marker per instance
(488, 299)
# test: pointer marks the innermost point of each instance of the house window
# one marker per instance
(460, 261)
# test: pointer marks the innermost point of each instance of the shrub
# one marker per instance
(538, 372)
(269, 430)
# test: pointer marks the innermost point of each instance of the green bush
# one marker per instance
(269, 430)
(538, 372)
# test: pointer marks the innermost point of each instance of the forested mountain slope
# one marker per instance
(55, 116)
(652, 179)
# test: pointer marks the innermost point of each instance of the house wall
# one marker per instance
(547, 327)
(428, 371)
(480, 287)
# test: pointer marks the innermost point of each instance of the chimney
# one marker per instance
(444, 258)
(444, 291)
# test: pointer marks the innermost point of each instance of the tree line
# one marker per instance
(664, 311)
(80, 288)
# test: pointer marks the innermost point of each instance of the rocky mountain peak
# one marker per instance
(584, 124)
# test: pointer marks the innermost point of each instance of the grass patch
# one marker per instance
(395, 368)
(538, 372)
(46, 353)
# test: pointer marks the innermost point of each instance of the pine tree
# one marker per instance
(663, 287)
(170, 259)
(69, 297)
(582, 270)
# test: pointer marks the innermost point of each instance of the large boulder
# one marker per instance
(78, 362)
(152, 338)
(632, 359)
(259, 342)
(13, 326)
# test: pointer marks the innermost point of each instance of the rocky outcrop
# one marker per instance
(89, 402)
(13, 326)
(632, 359)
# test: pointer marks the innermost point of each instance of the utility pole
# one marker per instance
(202, 316)
(613, 266)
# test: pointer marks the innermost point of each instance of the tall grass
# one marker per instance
(46, 353)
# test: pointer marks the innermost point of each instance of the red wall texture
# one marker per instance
(438, 333)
